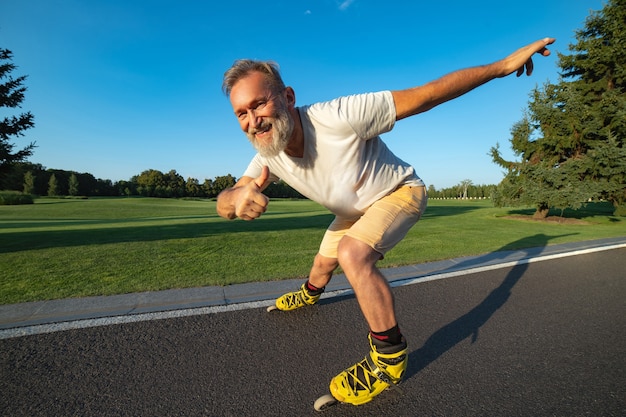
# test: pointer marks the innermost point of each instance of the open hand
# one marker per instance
(521, 60)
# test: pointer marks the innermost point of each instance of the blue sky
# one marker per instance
(121, 86)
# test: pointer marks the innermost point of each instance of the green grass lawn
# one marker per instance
(59, 248)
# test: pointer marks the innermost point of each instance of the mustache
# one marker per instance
(264, 126)
(281, 127)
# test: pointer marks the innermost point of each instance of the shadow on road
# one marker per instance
(469, 324)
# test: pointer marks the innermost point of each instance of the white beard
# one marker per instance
(282, 128)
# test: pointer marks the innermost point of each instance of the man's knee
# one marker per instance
(354, 253)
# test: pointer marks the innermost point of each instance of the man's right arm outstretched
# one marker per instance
(423, 98)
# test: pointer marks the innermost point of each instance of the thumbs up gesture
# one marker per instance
(251, 203)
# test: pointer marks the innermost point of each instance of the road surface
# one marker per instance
(534, 339)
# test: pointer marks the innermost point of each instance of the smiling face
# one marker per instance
(263, 114)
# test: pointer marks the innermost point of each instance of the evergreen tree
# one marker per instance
(11, 96)
(571, 139)
(73, 185)
(29, 183)
(53, 186)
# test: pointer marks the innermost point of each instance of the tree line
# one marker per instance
(37, 180)
(463, 190)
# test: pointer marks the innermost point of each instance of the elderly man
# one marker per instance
(332, 153)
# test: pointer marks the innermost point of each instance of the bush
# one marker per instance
(620, 210)
(14, 198)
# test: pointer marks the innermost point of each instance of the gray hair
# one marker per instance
(243, 67)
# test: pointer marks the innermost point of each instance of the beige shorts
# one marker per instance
(384, 224)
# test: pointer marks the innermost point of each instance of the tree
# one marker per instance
(571, 138)
(280, 189)
(222, 183)
(53, 186)
(175, 184)
(148, 181)
(11, 96)
(73, 185)
(193, 188)
(29, 183)
(207, 188)
(463, 186)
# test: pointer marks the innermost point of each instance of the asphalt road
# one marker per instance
(535, 339)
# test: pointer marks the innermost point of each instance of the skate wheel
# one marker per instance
(272, 308)
(323, 402)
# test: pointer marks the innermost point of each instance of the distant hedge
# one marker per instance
(14, 198)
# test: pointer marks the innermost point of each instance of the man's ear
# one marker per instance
(290, 97)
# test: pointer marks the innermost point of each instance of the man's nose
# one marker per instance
(253, 120)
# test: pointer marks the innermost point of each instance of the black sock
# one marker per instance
(391, 336)
(313, 290)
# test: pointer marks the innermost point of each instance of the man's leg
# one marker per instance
(324, 265)
(381, 228)
(310, 292)
(384, 224)
(385, 364)
(322, 270)
(372, 290)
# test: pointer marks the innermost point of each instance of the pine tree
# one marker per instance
(11, 96)
(73, 185)
(53, 186)
(29, 183)
(571, 139)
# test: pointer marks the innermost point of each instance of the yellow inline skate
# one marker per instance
(296, 299)
(382, 368)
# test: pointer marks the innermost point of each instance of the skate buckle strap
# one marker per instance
(381, 375)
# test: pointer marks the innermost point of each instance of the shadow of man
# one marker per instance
(469, 324)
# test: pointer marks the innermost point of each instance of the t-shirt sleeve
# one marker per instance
(369, 114)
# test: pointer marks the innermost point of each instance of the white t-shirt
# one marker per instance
(346, 166)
